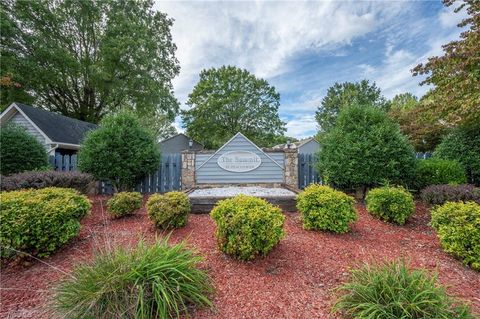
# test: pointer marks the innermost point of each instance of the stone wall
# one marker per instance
(291, 167)
(188, 169)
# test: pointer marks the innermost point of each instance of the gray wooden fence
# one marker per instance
(167, 178)
(307, 173)
(63, 162)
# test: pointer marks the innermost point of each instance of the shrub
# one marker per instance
(124, 203)
(40, 221)
(382, 153)
(324, 208)
(158, 281)
(247, 226)
(120, 151)
(169, 210)
(440, 194)
(392, 290)
(36, 179)
(391, 204)
(436, 171)
(20, 151)
(458, 227)
(463, 145)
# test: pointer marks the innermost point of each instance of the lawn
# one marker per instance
(295, 280)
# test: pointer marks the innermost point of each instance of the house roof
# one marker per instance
(59, 128)
(296, 144)
(177, 135)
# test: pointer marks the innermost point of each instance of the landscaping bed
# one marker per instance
(294, 281)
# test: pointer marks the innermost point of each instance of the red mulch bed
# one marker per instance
(294, 281)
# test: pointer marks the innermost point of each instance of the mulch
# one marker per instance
(296, 280)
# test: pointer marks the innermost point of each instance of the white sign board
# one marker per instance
(239, 161)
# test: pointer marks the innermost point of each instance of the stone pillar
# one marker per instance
(188, 169)
(291, 167)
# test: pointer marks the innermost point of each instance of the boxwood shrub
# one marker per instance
(436, 171)
(324, 208)
(124, 203)
(157, 281)
(390, 290)
(458, 227)
(440, 194)
(247, 226)
(82, 182)
(391, 204)
(169, 210)
(39, 221)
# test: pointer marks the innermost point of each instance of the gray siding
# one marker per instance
(177, 144)
(311, 147)
(20, 120)
(267, 172)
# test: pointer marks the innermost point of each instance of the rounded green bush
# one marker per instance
(392, 290)
(39, 221)
(158, 281)
(247, 226)
(324, 208)
(169, 210)
(436, 171)
(458, 227)
(391, 204)
(124, 203)
(20, 151)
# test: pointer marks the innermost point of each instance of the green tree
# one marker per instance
(414, 121)
(87, 58)
(456, 74)
(463, 145)
(365, 149)
(228, 100)
(342, 95)
(20, 151)
(121, 151)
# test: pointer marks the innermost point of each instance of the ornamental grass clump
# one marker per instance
(391, 204)
(392, 290)
(157, 281)
(324, 208)
(39, 221)
(247, 226)
(124, 203)
(169, 210)
(458, 227)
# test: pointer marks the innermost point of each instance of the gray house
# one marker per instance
(306, 146)
(58, 133)
(178, 143)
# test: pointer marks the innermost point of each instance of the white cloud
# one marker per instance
(302, 126)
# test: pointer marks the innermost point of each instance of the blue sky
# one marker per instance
(302, 48)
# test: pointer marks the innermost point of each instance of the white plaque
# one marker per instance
(239, 161)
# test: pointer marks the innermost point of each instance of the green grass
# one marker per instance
(157, 281)
(391, 290)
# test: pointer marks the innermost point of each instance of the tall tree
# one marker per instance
(87, 58)
(342, 95)
(410, 114)
(228, 100)
(456, 74)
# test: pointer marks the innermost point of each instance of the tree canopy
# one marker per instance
(410, 114)
(85, 59)
(342, 95)
(121, 151)
(228, 100)
(365, 148)
(456, 74)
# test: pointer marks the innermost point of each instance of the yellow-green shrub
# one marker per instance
(40, 221)
(324, 208)
(169, 210)
(124, 203)
(247, 226)
(391, 204)
(458, 227)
